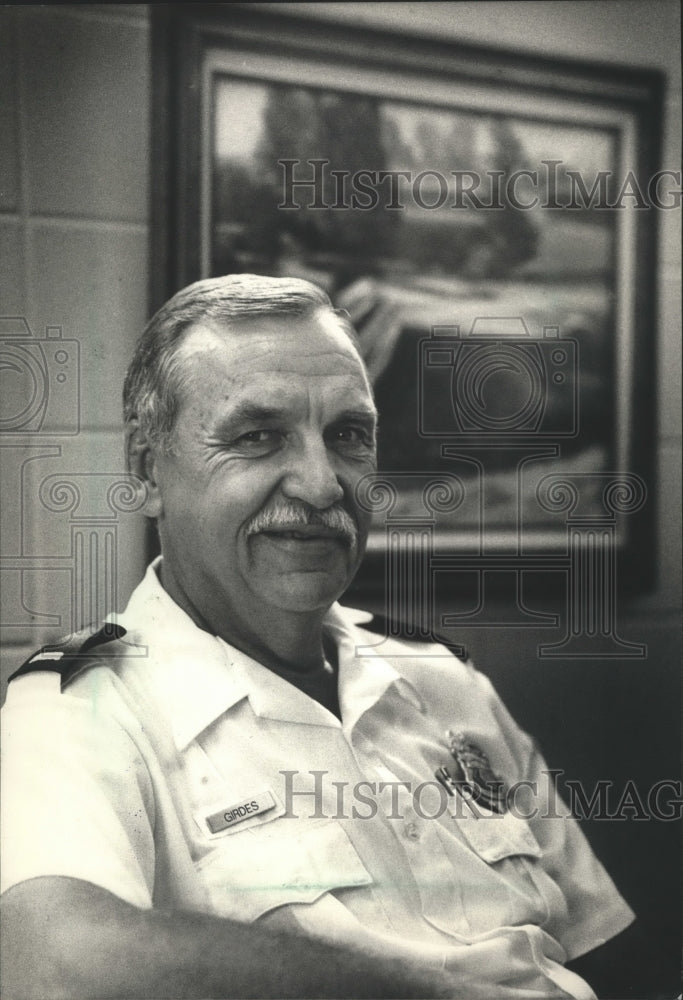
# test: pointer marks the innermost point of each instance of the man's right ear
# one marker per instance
(141, 461)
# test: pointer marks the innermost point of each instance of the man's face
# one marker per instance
(275, 415)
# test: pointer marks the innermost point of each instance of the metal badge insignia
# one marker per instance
(471, 774)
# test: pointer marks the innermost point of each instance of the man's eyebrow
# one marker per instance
(249, 413)
(255, 413)
(366, 416)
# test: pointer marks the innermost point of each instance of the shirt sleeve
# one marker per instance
(77, 797)
(595, 911)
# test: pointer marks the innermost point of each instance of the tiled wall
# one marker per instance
(74, 227)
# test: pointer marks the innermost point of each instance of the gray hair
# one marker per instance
(152, 384)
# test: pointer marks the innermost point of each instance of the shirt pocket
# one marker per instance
(502, 891)
(253, 872)
(495, 836)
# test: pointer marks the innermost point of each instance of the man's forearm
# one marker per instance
(68, 939)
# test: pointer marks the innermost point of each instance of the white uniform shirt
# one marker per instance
(183, 774)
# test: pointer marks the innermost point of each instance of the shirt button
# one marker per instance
(411, 831)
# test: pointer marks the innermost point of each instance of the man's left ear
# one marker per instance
(141, 462)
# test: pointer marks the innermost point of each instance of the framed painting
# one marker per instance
(487, 219)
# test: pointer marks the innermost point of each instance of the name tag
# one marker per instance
(261, 803)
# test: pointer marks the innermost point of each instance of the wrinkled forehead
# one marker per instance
(317, 334)
(259, 349)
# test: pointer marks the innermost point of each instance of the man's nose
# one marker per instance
(311, 475)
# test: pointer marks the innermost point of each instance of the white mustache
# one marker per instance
(288, 515)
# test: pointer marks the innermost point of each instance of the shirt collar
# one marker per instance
(364, 674)
(185, 665)
(197, 676)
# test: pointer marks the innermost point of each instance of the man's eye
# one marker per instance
(256, 437)
(261, 440)
(352, 435)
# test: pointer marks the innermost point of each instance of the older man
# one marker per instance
(227, 791)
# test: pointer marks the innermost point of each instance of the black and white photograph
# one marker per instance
(340, 453)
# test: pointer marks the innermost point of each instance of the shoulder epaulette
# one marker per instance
(68, 656)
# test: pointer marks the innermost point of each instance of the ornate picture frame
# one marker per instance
(488, 220)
